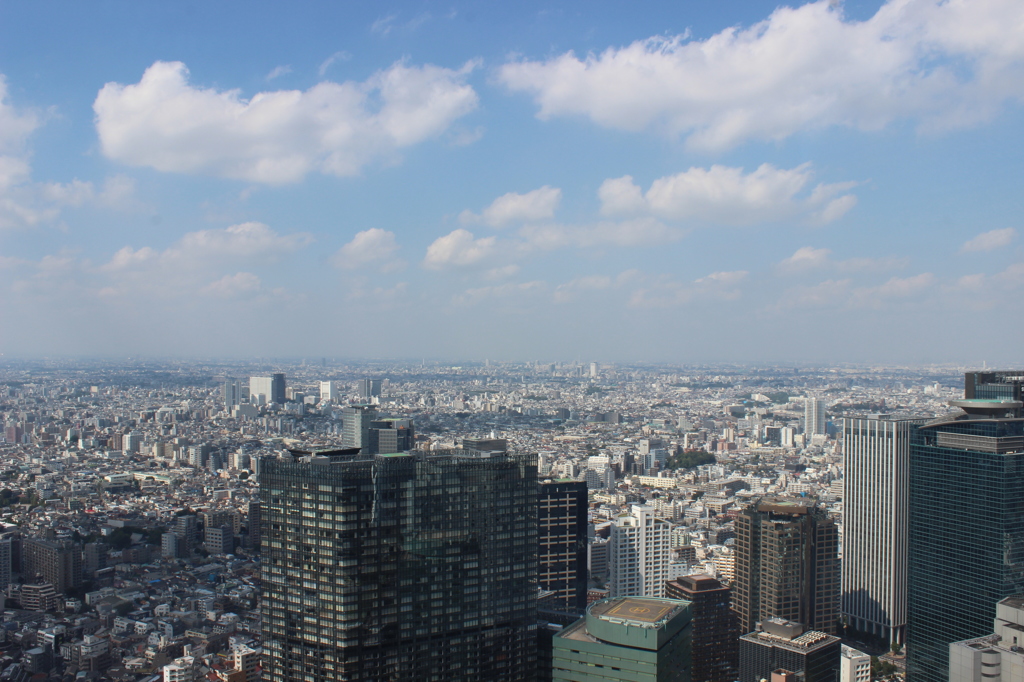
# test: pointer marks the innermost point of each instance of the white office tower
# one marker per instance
(874, 567)
(639, 554)
(854, 666)
(593, 370)
(328, 391)
(814, 416)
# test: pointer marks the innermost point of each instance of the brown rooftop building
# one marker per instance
(715, 627)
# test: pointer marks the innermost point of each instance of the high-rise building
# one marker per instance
(355, 425)
(966, 531)
(784, 651)
(58, 563)
(186, 527)
(855, 666)
(715, 628)
(254, 524)
(328, 391)
(272, 388)
(414, 567)
(639, 553)
(627, 639)
(5, 563)
(876, 453)
(562, 540)
(391, 435)
(232, 392)
(370, 388)
(787, 564)
(814, 416)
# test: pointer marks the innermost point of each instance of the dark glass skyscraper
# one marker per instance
(399, 567)
(966, 530)
(715, 628)
(562, 538)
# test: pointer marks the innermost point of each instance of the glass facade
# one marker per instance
(399, 567)
(966, 533)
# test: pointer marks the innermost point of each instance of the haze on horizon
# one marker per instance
(742, 182)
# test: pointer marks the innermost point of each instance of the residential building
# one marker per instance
(58, 562)
(639, 553)
(715, 627)
(407, 566)
(626, 638)
(787, 564)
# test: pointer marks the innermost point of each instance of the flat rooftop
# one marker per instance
(635, 609)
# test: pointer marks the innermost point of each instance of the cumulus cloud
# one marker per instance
(726, 195)
(540, 204)
(459, 248)
(165, 122)
(234, 286)
(895, 288)
(625, 233)
(948, 64)
(369, 247)
(988, 241)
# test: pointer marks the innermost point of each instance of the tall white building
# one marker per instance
(328, 391)
(874, 567)
(854, 666)
(814, 416)
(639, 554)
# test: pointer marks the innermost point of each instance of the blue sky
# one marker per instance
(685, 182)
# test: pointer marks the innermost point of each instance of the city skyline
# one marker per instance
(716, 182)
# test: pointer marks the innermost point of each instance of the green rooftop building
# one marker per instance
(635, 639)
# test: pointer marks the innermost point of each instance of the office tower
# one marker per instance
(626, 638)
(814, 416)
(5, 563)
(232, 392)
(169, 546)
(58, 563)
(391, 435)
(186, 527)
(639, 552)
(253, 520)
(328, 391)
(876, 454)
(132, 442)
(995, 657)
(219, 540)
(355, 425)
(787, 564)
(272, 388)
(414, 567)
(783, 651)
(593, 370)
(994, 385)
(562, 539)
(370, 388)
(715, 628)
(966, 532)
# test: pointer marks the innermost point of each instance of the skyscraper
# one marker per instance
(966, 531)
(876, 454)
(639, 552)
(715, 631)
(787, 564)
(328, 391)
(355, 425)
(400, 566)
(391, 435)
(562, 538)
(370, 388)
(814, 416)
(232, 392)
(272, 388)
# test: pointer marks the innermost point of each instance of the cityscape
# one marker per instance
(556, 340)
(327, 520)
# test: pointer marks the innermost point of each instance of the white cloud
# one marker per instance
(666, 292)
(808, 258)
(625, 233)
(728, 196)
(164, 122)
(234, 286)
(341, 56)
(459, 248)
(369, 247)
(988, 241)
(510, 290)
(949, 64)
(279, 71)
(896, 288)
(540, 204)
(565, 293)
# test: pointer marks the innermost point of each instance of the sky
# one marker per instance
(599, 181)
